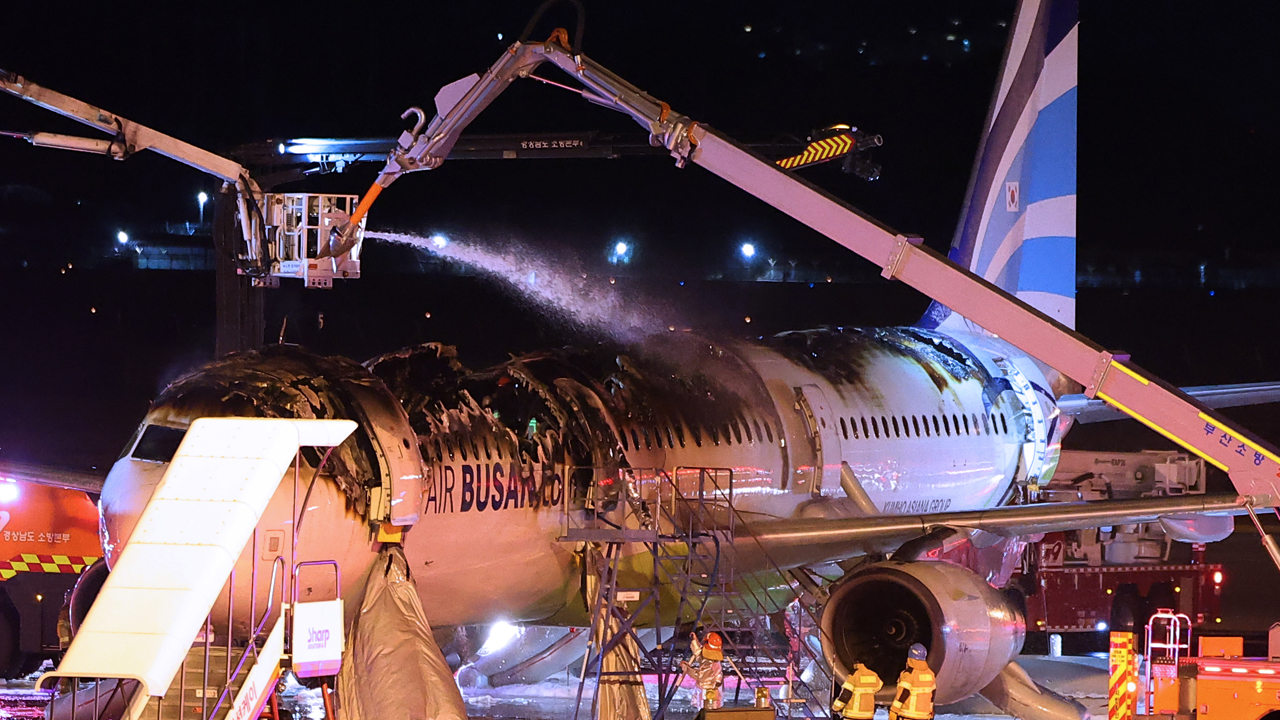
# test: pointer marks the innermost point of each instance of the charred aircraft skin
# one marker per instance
(927, 422)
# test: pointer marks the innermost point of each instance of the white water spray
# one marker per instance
(559, 285)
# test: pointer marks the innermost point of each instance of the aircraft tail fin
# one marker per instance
(1018, 228)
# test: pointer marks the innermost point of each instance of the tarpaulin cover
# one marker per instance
(393, 667)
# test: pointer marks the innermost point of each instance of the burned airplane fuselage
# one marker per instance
(477, 468)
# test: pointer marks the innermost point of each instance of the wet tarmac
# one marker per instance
(1080, 678)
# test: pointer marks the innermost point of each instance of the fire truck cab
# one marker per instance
(48, 536)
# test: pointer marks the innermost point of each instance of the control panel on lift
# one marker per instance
(298, 227)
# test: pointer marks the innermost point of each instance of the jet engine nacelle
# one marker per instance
(875, 615)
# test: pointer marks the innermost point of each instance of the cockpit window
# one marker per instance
(158, 443)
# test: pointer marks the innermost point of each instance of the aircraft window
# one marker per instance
(475, 449)
(844, 428)
(895, 428)
(635, 439)
(955, 423)
(128, 447)
(462, 448)
(975, 425)
(768, 431)
(158, 443)
(945, 426)
(487, 454)
(937, 431)
(1003, 425)
(746, 427)
(680, 434)
(696, 433)
(737, 431)
(926, 426)
(915, 423)
(865, 434)
(715, 435)
(657, 437)
(875, 426)
(906, 429)
(966, 423)
(986, 427)
(622, 435)
(759, 434)
(647, 444)
(670, 442)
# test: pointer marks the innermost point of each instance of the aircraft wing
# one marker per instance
(793, 543)
(52, 476)
(1086, 410)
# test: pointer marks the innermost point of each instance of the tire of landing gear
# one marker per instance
(1128, 610)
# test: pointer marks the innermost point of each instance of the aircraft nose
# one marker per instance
(125, 493)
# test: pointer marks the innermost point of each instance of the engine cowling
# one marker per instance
(970, 630)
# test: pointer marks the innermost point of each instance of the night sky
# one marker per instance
(1178, 150)
(1177, 144)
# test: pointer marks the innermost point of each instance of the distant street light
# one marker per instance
(202, 199)
(748, 250)
(122, 237)
(621, 254)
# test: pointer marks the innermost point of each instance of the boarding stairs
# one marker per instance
(684, 521)
(150, 630)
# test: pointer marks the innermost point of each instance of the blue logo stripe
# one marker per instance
(1051, 151)
(1048, 264)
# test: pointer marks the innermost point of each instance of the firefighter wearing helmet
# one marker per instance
(857, 697)
(916, 684)
(705, 667)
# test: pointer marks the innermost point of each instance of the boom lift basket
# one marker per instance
(298, 229)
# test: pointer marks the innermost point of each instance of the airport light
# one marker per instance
(122, 237)
(439, 241)
(1101, 626)
(621, 254)
(501, 634)
(748, 250)
(202, 199)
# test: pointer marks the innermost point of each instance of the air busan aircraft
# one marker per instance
(898, 445)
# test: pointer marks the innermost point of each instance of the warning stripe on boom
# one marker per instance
(819, 151)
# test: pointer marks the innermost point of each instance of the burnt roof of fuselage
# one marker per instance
(841, 355)
(666, 378)
(277, 381)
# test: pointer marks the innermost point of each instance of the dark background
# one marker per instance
(1177, 164)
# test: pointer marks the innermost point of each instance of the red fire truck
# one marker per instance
(1115, 578)
(48, 536)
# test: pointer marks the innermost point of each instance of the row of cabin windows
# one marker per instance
(468, 448)
(669, 435)
(924, 426)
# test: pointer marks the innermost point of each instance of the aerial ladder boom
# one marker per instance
(128, 138)
(1252, 464)
(281, 234)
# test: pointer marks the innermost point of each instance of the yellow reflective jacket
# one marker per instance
(916, 684)
(857, 698)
